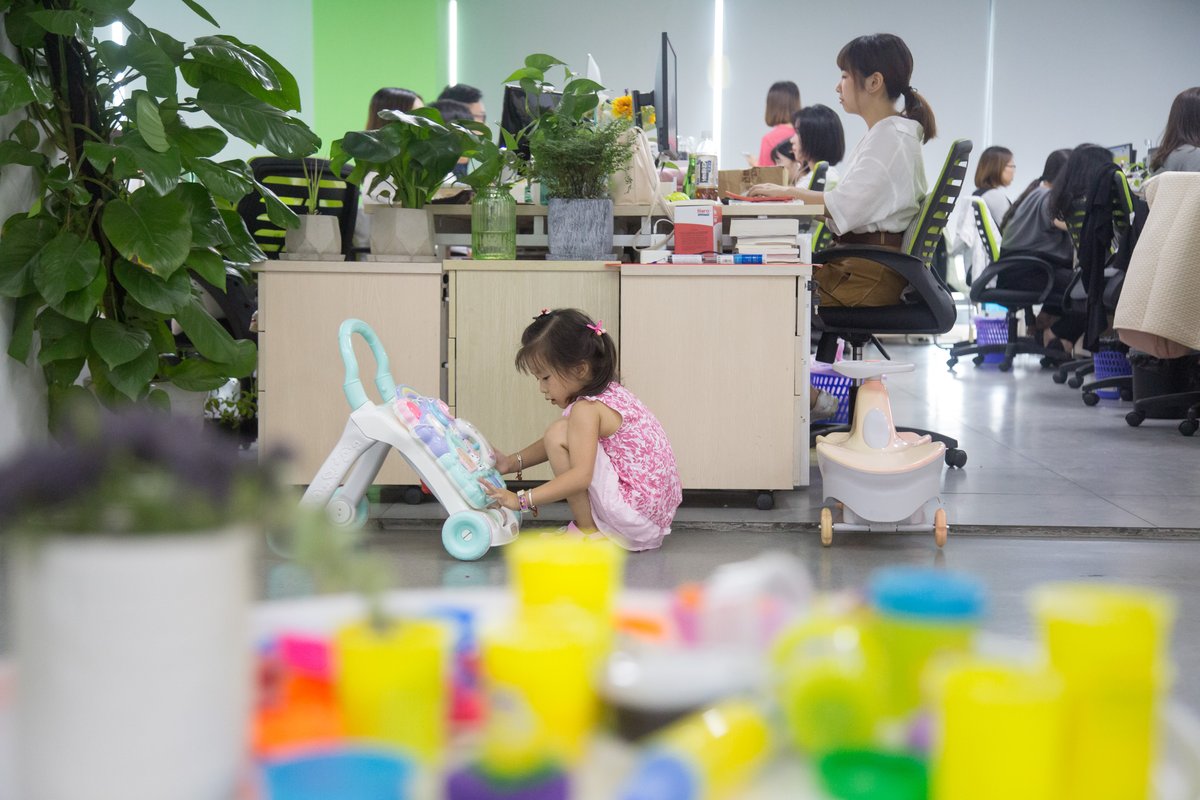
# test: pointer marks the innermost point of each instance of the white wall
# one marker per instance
(283, 28)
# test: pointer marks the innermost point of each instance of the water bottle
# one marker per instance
(706, 168)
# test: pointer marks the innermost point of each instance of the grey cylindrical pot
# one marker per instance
(580, 230)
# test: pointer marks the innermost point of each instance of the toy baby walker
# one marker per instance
(449, 454)
(885, 479)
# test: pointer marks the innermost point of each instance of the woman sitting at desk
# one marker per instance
(817, 136)
(884, 181)
(1179, 148)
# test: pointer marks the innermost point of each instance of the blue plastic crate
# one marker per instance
(1110, 364)
(838, 386)
(991, 330)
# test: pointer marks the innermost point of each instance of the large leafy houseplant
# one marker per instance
(131, 203)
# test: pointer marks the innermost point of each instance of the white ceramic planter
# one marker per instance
(134, 669)
(318, 237)
(401, 234)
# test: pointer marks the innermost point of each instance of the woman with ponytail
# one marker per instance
(883, 179)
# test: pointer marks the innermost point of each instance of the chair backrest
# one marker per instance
(286, 178)
(1121, 199)
(987, 232)
(925, 232)
(816, 177)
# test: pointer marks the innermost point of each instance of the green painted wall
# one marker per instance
(362, 45)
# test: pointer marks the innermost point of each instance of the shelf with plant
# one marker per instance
(131, 199)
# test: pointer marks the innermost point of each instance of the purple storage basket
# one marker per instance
(823, 377)
(991, 330)
(1110, 364)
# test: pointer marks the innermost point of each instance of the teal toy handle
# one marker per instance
(355, 394)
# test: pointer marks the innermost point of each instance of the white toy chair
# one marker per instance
(449, 454)
(884, 479)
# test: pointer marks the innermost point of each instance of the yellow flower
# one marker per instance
(623, 106)
(648, 117)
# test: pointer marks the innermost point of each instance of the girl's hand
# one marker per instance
(505, 463)
(501, 497)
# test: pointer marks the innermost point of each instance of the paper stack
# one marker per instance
(774, 238)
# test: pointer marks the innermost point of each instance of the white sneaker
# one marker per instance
(826, 406)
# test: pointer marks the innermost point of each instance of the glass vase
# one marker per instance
(493, 225)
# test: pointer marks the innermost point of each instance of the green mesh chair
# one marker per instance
(286, 178)
(1015, 301)
(929, 306)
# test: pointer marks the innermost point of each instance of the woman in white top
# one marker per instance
(818, 136)
(883, 181)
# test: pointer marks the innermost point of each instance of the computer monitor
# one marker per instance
(515, 113)
(1123, 154)
(664, 98)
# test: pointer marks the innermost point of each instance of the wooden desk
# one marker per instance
(300, 370)
(490, 304)
(720, 355)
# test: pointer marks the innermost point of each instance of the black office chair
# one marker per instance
(1014, 301)
(929, 307)
(286, 178)
(816, 177)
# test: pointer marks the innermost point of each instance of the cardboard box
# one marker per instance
(737, 181)
(697, 227)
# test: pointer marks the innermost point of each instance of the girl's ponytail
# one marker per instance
(917, 109)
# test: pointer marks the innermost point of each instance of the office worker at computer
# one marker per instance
(1179, 148)
(883, 181)
(471, 97)
(783, 100)
(393, 98)
(993, 175)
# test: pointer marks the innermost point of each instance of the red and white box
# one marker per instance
(697, 227)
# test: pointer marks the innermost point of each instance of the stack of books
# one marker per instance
(776, 239)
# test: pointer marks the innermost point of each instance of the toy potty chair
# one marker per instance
(885, 480)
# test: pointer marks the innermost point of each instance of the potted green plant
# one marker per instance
(317, 236)
(131, 202)
(400, 167)
(131, 546)
(573, 154)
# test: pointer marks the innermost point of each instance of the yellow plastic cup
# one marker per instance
(1000, 731)
(1109, 645)
(830, 680)
(586, 573)
(393, 685)
(538, 670)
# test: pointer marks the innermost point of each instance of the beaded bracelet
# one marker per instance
(520, 466)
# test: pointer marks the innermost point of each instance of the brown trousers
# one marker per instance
(851, 281)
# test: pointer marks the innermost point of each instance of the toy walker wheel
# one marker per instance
(826, 527)
(765, 501)
(467, 535)
(955, 457)
(344, 514)
(940, 528)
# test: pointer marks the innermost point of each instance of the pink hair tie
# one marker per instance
(545, 311)
(598, 327)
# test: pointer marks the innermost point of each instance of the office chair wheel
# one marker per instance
(956, 457)
(1189, 427)
(1005, 365)
(826, 527)
(413, 495)
(1126, 394)
(1047, 362)
(1090, 398)
(977, 360)
(1135, 418)
(950, 362)
(940, 528)
(1075, 381)
(765, 501)
(1059, 377)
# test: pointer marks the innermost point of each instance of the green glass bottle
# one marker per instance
(689, 180)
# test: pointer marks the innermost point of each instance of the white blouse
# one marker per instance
(883, 181)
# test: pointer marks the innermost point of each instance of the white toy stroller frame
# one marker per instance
(885, 480)
(449, 454)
